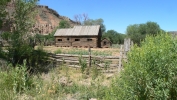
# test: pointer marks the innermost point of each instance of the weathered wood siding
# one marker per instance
(63, 43)
(99, 38)
(79, 41)
(105, 43)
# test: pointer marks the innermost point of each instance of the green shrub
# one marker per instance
(58, 51)
(16, 79)
(82, 63)
(95, 72)
(150, 73)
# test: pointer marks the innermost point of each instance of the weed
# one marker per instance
(58, 51)
(82, 63)
(18, 79)
(106, 64)
(95, 72)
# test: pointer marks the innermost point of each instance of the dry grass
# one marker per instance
(76, 76)
(112, 51)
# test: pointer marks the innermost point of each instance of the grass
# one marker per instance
(82, 51)
(77, 51)
(59, 83)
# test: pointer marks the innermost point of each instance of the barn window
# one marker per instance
(59, 39)
(68, 39)
(89, 39)
(77, 39)
(104, 42)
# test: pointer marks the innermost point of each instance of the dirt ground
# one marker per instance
(113, 51)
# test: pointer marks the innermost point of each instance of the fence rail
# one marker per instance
(111, 63)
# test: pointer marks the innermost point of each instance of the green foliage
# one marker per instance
(138, 32)
(21, 43)
(106, 64)
(150, 73)
(64, 24)
(3, 12)
(58, 51)
(41, 87)
(44, 39)
(85, 52)
(16, 79)
(82, 63)
(18, 44)
(37, 59)
(95, 72)
(114, 37)
(96, 22)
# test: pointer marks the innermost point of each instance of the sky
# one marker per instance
(118, 14)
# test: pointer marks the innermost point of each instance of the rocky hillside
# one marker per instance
(47, 19)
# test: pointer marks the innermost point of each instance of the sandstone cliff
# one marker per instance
(47, 19)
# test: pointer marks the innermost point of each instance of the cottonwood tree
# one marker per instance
(138, 32)
(20, 46)
(99, 21)
(114, 36)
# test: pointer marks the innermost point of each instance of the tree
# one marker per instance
(83, 19)
(114, 37)
(138, 32)
(3, 12)
(80, 18)
(64, 24)
(20, 47)
(96, 22)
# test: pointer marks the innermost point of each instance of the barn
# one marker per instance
(105, 43)
(79, 36)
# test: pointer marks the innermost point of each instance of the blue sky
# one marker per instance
(118, 14)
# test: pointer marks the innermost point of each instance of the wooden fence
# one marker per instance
(108, 64)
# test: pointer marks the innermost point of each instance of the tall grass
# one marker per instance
(15, 80)
(84, 52)
(16, 83)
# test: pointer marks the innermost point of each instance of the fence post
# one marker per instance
(127, 45)
(89, 56)
(120, 58)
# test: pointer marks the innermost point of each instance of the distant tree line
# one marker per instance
(137, 32)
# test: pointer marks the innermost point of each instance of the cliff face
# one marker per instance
(46, 19)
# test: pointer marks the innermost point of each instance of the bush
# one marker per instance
(58, 51)
(82, 63)
(150, 73)
(16, 79)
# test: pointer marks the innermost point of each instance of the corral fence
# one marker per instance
(107, 64)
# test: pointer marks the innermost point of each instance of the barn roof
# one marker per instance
(79, 31)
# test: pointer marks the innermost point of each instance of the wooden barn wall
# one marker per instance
(108, 44)
(83, 41)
